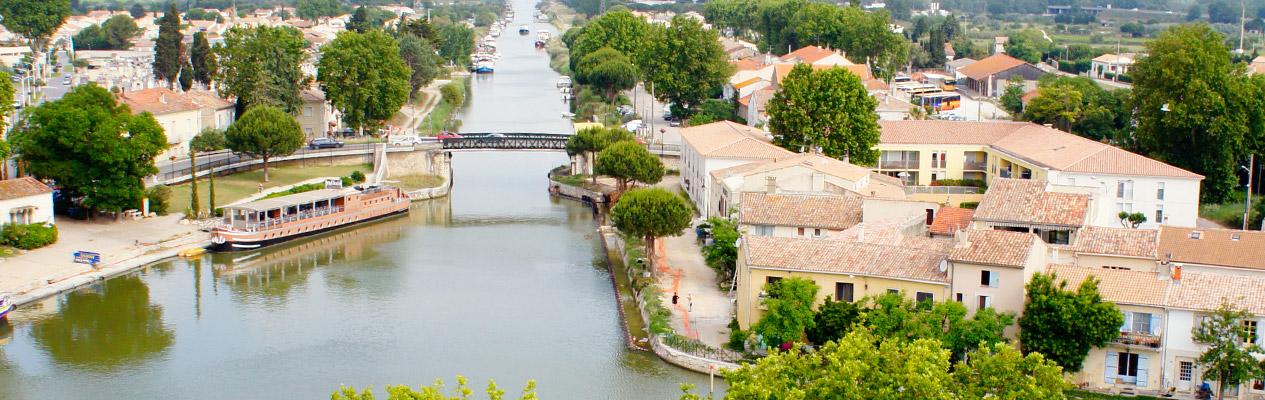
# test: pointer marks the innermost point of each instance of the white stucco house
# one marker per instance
(719, 145)
(25, 200)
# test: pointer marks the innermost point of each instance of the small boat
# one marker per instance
(6, 305)
(564, 81)
(542, 39)
(483, 67)
(264, 222)
(523, 30)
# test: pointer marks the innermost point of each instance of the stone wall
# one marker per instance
(432, 162)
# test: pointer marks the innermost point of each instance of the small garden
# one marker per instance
(28, 236)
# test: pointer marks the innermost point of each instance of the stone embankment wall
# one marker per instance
(431, 162)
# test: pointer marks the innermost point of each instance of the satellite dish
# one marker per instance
(944, 265)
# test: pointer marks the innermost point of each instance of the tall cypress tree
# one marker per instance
(201, 58)
(169, 47)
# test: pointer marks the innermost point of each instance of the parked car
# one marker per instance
(324, 143)
(626, 110)
(405, 140)
(496, 135)
(633, 126)
(448, 135)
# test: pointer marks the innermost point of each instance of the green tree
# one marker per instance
(119, 31)
(998, 371)
(34, 20)
(827, 109)
(722, 253)
(91, 38)
(629, 161)
(1029, 45)
(712, 110)
(1064, 325)
(789, 311)
(433, 392)
(208, 140)
(649, 213)
(1080, 106)
(169, 48)
(420, 57)
(684, 62)
(861, 365)
(1012, 99)
(1194, 107)
(137, 10)
(588, 142)
(202, 60)
(315, 9)
(261, 65)
(359, 21)
(186, 76)
(1195, 12)
(456, 43)
(867, 38)
(364, 77)
(265, 132)
(92, 146)
(1131, 220)
(1059, 106)
(1229, 358)
(608, 70)
(833, 320)
(619, 30)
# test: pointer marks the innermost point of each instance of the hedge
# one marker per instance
(28, 236)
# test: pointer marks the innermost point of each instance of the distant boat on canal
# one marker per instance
(483, 67)
(264, 222)
(6, 305)
(542, 39)
(523, 30)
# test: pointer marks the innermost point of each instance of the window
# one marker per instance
(1250, 327)
(816, 231)
(985, 302)
(1258, 384)
(1071, 181)
(772, 279)
(1057, 237)
(307, 131)
(1159, 191)
(763, 230)
(1159, 213)
(893, 291)
(988, 278)
(843, 291)
(959, 297)
(799, 231)
(1124, 207)
(1185, 371)
(1124, 190)
(307, 111)
(924, 296)
(1127, 366)
(1142, 322)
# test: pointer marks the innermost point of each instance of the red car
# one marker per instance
(448, 135)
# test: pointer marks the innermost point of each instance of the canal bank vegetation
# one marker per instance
(454, 95)
(418, 181)
(433, 392)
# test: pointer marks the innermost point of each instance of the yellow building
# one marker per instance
(843, 270)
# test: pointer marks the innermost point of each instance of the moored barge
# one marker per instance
(260, 223)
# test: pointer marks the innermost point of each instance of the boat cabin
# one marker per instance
(261, 214)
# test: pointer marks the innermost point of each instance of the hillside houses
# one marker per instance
(757, 78)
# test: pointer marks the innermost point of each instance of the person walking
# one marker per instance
(691, 301)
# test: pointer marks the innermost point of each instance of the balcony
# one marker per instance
(975, 165)
(1138, 339)
(942, 190)
(898, 164)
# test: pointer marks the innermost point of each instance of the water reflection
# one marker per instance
(272, 274)
(79, 336)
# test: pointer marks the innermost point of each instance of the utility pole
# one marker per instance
(1247, 190)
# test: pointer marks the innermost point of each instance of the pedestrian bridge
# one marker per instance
(506, 141)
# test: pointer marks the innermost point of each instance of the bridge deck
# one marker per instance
(507, 141)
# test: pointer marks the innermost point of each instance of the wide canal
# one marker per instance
(496, 281)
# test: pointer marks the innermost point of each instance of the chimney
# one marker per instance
(960, 241)
(162, 98)
(931, 216)
(770, 185)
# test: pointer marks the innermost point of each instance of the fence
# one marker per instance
(225, 162)
(941, 190)
(664, 149)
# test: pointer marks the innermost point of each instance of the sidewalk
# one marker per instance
(681, 270)
(123, 245)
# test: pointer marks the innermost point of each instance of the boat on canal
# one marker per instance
(542, 38)
(6, 305)
(264, 222)
(523, 30)
(483, 67)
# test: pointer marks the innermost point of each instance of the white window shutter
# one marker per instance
(1155, 324)
(1109, 370)
(1142, 365)
(993, 278)
(1128, 322)
(1260, 332)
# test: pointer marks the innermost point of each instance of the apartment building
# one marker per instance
(720, 145)
(922, 153)
(802, 173)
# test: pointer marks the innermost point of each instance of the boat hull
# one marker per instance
(4, 313)
(230, 246)
(483, 70)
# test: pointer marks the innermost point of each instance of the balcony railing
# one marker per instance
(898, 164)
(973, 165)
(942, 190)
(1138, 339)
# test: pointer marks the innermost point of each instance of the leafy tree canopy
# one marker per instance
(629, 161)
(315, 9)
(827, 109)
(93, 146)
(433, 392)
(607, 69)
(265, 132)
(169, 48)
(619, 30)
(260, 65)
(1228, 357)
(684, 62)
(364, 77)
(420, 57)
(651, 212)
(35, 20)
(1063, 325)
(789, 311)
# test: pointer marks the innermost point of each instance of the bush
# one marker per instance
(159, 199)
(969, 204)
(29, 236)
(297, 189)
(347, 182)
(961, 182)
(357, 176)
(453, 93)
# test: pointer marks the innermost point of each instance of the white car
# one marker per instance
(406, 140)
(633, 126)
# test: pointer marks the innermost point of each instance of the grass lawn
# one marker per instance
(1088, 395)
(417, 181)
(1229, 213)
(238, 186)
(627, 298)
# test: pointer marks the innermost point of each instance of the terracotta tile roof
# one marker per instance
(1040, 145)
(208, 99)
(158, 101)
(993, 247)
(727, 139)
(1117, 286)
(1026, 201)
(960, 63)
(951, 219)
(1114, 59)
(312, 95)
(747, 65)
(826, 211)
(1215, 247)
(842, 257)
(990, 65)
(745, 100)
(807, 54)
(22, 187)
(878, 185)
(1116, 241)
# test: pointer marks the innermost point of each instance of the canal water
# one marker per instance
(496, 281)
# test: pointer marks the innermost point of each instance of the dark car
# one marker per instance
(324, 143)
